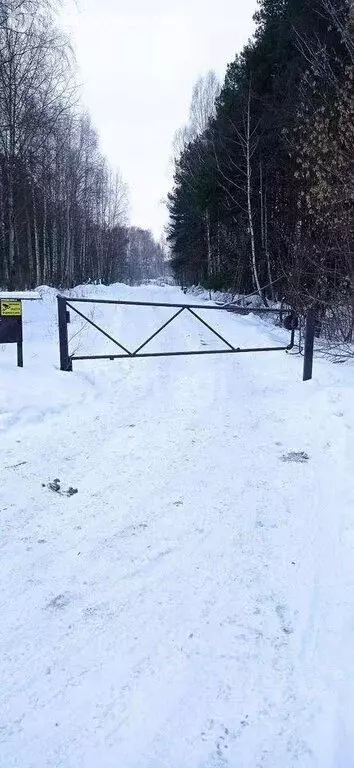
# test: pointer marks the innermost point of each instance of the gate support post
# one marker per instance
(309, 343)
(65, 359)
(20, 354)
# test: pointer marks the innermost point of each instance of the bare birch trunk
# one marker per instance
(36, 242)
(46, 265)
(209, 250)
(249, 196)
(11, 227)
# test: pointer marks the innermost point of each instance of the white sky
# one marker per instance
(138, 61)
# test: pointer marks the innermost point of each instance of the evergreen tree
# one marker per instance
(256, 195)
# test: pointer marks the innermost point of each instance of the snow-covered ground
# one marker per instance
(192, 606)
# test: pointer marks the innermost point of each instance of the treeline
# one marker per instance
(63, 213)
(263, 193)
(147, 259)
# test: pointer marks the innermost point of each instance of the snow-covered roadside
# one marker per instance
(192, 606)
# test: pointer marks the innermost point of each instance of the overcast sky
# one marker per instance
(138, 61)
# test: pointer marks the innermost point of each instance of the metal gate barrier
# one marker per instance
(66, 359)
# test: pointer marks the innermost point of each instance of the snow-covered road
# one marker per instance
(192, 606)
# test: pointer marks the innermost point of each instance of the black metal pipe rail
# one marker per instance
(234, 308)
(66, 360)
(183, 354)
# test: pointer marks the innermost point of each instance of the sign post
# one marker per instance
(11, 325)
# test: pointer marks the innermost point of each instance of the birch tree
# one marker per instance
(62, 211)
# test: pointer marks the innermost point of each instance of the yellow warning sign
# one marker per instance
(10, 308)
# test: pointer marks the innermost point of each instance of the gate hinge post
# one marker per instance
(65, 359)
(309, 343)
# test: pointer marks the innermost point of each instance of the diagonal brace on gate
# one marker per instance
(180, 312)
(98, 328)
(233, 349)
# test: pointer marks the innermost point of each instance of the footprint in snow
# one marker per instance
(285, 624)
(296, 457)
(59, 602)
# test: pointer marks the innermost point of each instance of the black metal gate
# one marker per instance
(66, 359)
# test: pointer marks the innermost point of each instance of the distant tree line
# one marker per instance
(263, 191)
(63, 213)
(147, 259)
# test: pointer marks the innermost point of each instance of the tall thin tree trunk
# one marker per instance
(54, 250)
(83, 251)
(4, 273)
(11, 228)
(209, 249)
(31, 270)
(269, 268)
(68, 247)
(46, 265)
(36, 241)
(218, 254)
(249, 196)
(262, 204)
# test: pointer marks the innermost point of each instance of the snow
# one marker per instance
(24, 295)
(192, 605)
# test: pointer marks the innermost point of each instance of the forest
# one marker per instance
(262, 200)
(63, 211)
